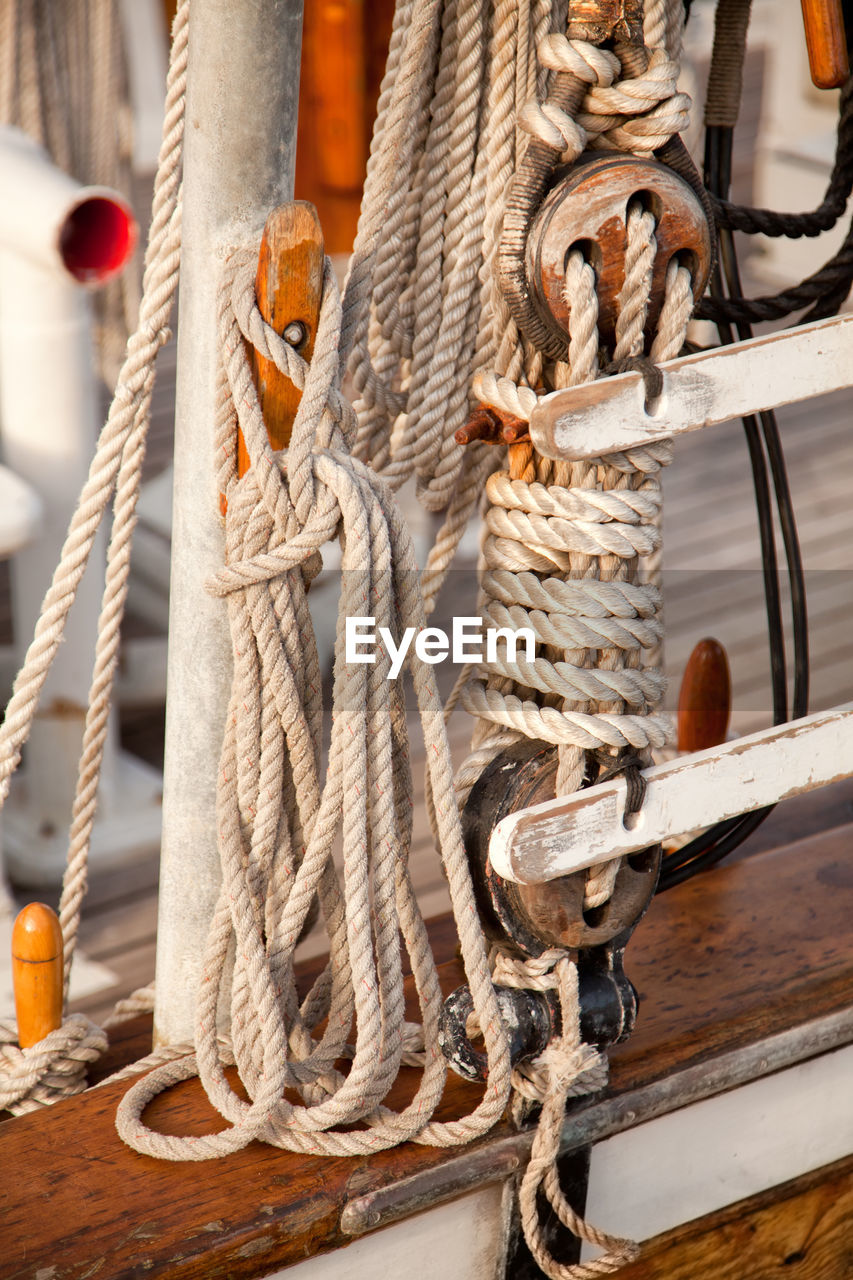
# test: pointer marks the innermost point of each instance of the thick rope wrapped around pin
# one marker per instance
(589, 689)
(551, 547)
(279, 821)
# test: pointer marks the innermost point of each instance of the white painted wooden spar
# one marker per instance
(698, 391)
(239, 151)
(581, 830)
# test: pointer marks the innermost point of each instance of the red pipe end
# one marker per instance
(97, 238)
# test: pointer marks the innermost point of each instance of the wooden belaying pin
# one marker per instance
(37, 973)
(826, 41)
(705, 698)
(289, 290)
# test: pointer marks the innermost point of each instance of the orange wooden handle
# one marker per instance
(289, 289)
(826, 41)
(37, 973)
(705, 698)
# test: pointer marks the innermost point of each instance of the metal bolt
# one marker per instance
(295, 333)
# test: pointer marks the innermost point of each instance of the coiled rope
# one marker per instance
(278, 823)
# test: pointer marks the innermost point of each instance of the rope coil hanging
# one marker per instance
(278, 825)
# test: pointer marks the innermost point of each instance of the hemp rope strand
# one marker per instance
(275, 523)
(113, 475)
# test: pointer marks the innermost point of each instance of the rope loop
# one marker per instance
(567, 1068)
(559, 131)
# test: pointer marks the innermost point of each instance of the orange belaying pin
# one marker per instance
(705, 698)
(37, 973)
(826, 41)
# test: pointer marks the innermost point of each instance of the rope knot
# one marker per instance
(588, 62)
(551, 125)
(52, 1069)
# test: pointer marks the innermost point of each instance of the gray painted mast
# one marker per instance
(239, 150)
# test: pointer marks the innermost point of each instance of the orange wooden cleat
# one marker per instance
(826, 41)
(289, 289)
(705, 698)
(37, 973)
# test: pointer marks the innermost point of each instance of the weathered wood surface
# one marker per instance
(802, 1229)
(710, 987)
(699, 390)
(590, 207)
(563, 835)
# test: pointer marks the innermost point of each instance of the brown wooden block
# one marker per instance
(588, 209)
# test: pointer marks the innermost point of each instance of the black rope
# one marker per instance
(722, 839)
(824, 292)
(631, 765)
(769, 222)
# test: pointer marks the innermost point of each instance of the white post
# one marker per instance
(240, 143)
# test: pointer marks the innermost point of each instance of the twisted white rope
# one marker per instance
(278, 824)
(416, 324)
(113, 475)
(52, 1069)
(536, 535)
(274, 868)
(567, 1068)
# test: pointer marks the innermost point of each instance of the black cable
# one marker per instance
(720, 840)
(814, 222)
(784, 506)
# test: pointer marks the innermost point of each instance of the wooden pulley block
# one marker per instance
(588, 208)
(533, 917)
